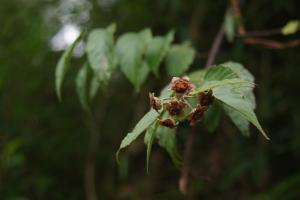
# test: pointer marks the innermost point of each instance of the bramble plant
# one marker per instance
(199, 96)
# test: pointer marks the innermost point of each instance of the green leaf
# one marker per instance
(130, 48)
(151, 132)
(236, 83)
(212, 117)
(237, 101)
(146, 37)
(241, 123)
(100, 53)
(140, 127)
(291, 27)
(81, 86)
(63, 65)
(157, 49)
(178, 59)
(229, 26)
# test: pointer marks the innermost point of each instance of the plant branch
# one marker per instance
(249, 38)
(215, 47)
(185, 170)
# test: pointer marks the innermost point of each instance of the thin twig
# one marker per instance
(215, 47)
(262, 33)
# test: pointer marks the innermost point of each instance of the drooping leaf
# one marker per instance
(100, 53)
(237, 101)
(212, 117)
(178, 59)
(229, 26)
(241, 123)
(130, 48)
(140, 127)
(63, 65)
(157, 49)
(291, 27)
(151, 132)
(81, 86)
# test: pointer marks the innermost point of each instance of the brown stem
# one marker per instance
(185, 170)
(251, 40)
(90, 164)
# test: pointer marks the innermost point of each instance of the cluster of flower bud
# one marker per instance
(175, 105)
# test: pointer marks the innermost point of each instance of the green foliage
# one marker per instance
(230, 84)
(136, 54)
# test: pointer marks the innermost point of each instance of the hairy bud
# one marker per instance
(155, 103)
(167, 123)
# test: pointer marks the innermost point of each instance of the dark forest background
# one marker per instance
(44, 143)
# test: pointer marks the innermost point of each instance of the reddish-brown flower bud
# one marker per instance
(181, 85)
(197, 114)
(155, 103)
(206, 98)
(167, 123)
(175, 107)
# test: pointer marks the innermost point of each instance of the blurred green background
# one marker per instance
(44, 144)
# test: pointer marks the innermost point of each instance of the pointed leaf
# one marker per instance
(63, 65)
(151, 132)
(178, 59)
(241, 123)
(236, 101)
(140, 127)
